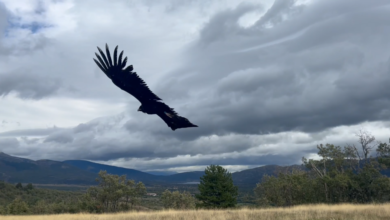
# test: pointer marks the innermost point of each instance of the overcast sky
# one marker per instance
(265, 81)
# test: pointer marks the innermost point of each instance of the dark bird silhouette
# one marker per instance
(129, 81)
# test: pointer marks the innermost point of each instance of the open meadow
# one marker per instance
(308, 212)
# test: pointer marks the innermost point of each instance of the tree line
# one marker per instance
(341, 175)
(115, 193)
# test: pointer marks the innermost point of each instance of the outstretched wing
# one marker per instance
(123, 77)
(129, 81)
(171, 118)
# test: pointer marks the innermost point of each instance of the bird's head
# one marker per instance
(140, 109)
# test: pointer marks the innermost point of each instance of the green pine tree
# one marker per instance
(19, 186)
(217, 189)
(29, 186)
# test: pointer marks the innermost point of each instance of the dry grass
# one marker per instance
(312, 212)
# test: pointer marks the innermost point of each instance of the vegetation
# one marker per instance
(342, 175)
(114, 193)
(217, 189)
(320, 212)
(17, 207)
(15, 198)
(383, 151)
(177, 200)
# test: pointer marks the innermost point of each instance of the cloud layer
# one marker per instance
(266, 82)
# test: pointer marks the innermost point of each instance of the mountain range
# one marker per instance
(14, 169)
(80, 172)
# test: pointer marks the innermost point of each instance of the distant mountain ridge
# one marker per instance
(136, 174)
(249, 177)
(14, 169)
(161, 173)
(80, 172)
(96, 167)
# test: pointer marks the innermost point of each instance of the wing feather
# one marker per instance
(171, 118)
(108, 55)
(120, 59)
(124, 78)
(101, 62)
(124, 63)
(100, 66)
(167, 120)
(129, 69)
(104, 57)
(115, 56)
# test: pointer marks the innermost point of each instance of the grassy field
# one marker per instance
(312, 212)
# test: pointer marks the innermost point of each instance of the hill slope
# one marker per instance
(130, 173)
(14, 169)
(253, 176)
(136, 174)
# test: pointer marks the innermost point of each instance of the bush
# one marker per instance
(177, 200)
(29, 187)
(19, 186)
(2, 184)
(41, 207)
(17, 207)
(114, 193)
(3, 211)
(90, 205)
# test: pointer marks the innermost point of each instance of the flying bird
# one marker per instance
(129, 81)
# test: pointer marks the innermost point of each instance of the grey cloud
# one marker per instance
(225, 24)
(275, 14)
(106, 141)
(3, 18)
(115, 141)
(248, 160)
(40, 7)
(30, 141)
(17, 42)
(60, 137)
(84, 127)
(308, 82)
(28, 86)
(30, 132)
(27, 45)
(8, 144)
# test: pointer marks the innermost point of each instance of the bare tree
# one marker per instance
(365, 140)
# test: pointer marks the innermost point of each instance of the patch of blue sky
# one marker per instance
(33, 27)
(14, 21)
